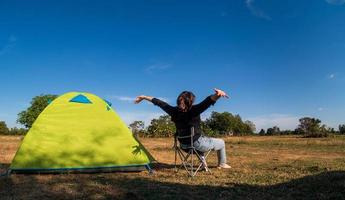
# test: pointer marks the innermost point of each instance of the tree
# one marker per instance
(298, 131)
(206, 129)
(331, 130)
(161, 127)
(275, 130)
(287, 132)
(342, 128)
(251, 125)
(262, 132)
(311, 127)
(225, 123)
(137, 127)
(269, 131)
(3, 128)
(217, 124)
(220, 123)
(38, 104)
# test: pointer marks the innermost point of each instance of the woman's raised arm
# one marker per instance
(163, 105)
(210, 100)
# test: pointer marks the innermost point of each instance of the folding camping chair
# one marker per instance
(186, 154)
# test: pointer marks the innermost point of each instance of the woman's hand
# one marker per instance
(142, 97)
(220, 93)
(139, 99)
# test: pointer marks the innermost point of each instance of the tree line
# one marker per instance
(308, 127)
(4, 130)
(225, 124)
(218, 124)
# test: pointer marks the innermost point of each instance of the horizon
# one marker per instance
(278, 61)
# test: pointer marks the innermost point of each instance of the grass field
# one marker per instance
(263, 168)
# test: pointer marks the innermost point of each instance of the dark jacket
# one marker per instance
(185, 120)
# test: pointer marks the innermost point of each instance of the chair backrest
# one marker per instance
(177, 136)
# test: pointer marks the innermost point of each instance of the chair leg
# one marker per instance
(191, 171)
(208, 169)
(184, 159)
(176, 159)
(187, 160)
(188, 165)
(202, 162)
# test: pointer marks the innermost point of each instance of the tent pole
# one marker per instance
(149, 169)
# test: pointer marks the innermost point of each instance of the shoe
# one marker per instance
(224, 166)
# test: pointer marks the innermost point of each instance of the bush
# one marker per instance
(12, 131)
(273, 131)
(18, 131)
(342, 128)
(3, 128)
(317, 135)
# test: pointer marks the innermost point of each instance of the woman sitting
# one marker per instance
(186, 115)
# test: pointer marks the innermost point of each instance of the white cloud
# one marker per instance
(157, 67)
(283, 121)
(336, 2)
(11, 42)
(256, 11)
(131, 99)
(320, 109)
(129, 117)
(123, 98)
(331, 76)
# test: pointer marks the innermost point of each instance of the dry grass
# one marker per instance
(263, 168)
(8, 148)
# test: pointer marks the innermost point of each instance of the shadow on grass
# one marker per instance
(161, 166)
(326, 185)
(4, 167)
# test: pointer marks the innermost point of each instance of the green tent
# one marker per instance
(80, 132)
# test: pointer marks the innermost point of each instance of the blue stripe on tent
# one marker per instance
(80, 99)
(78, 168)
(108, 102)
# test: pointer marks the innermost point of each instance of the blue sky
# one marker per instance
(278, 60)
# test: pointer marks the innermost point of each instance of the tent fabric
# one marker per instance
(78, 136)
